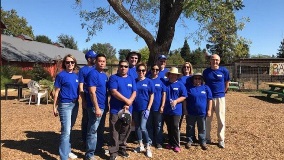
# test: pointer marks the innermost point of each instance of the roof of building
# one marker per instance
(17, 49)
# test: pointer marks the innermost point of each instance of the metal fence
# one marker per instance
(250, 77)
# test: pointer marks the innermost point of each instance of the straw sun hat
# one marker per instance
(173, 70)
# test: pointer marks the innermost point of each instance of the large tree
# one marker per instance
(15, 25)
(280, 54)
(185, 51)
(139, 14)
(106, 49)
(43, 39)
(68, 41)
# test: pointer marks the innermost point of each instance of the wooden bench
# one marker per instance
(275, 88)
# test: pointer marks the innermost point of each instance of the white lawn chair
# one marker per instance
(36, 91)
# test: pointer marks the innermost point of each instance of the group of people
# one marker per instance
(136, 96)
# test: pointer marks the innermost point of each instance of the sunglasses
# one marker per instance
(153, 69)
(141, 70)
(186, 67)
(123, 66)
(134, 57)
(69, 62)
(197, 78)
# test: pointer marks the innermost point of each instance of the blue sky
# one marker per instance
(55, 17)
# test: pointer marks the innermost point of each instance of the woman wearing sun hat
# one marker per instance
(175, 95)
(198, 106)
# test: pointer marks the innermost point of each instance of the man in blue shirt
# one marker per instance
(83, 72)
(123, 92)
(133, 59)
(96, 105)
(217, 78)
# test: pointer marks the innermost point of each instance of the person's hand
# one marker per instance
(128, 102)
(55, 111)
(146, 114)
(161, 109)
(126, 107)
(98, 112)
(208, 113)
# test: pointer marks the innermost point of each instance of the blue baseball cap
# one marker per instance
(90, 54)
(162, 57)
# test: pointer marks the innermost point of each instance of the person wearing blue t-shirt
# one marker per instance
(217, 78)
(187, 71)
(133, 59)
(154, 122)
(96, 106)
(162, 62)
(65, 103)
(198, 106)
(123, 92)
(175, 95)
(141, 108)
(83, 89)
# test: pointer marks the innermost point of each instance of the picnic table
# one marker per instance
(275, 88)
(17, 86)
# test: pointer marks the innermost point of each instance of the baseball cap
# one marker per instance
(162, 57)
(90, 54)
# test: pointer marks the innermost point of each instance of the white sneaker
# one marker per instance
(139, 149)
(149, 153)
(72, 155)
(221, 144)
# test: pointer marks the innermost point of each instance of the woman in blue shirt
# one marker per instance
(175, 95)
(66, 103)
(198, 106)
(154, 123)
(141, 108)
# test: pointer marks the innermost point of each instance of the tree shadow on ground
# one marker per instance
(266, 99)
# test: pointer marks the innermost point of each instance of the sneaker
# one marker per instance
(203, 146)
(188, 145)
(208, 141)
(123, 153)
(168, 146)
(72, 155)
(159, 146)
(139, 149)
(221, 144)
(112, 157)
(177, 149)
(149, 153)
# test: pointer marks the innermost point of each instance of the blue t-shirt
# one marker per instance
(174, 91)
(69, 86)
(196, 102)
(162, 74)
(99, 80)
(83, 72)
(184, 79)
(132, 72)
(125, 86)
(144, 89)
(160, 88)
(216, 79)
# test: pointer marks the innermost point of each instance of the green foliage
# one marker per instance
(185, 51)
(175, 59)
(15, 25)
(144, 54)
(9, 70)
(47, 83)
(197, 57)
(280, 54)
(39, 73)
(123, 53)
(43, 39)
(68, 41)
(106, 49)
(4, 80)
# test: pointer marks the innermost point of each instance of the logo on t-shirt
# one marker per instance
(175, 89)
(145, 85)
(219, 75)
(129, 85)
(203, 92)
(157, 85)
(77, 80)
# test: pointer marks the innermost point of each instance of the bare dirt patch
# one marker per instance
(254, 130)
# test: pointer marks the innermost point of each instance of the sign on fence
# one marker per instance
(276, 69)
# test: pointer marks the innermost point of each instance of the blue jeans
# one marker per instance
(140, 126)
(68, 113)
(190, 122)
(92, 133)
(154, 127)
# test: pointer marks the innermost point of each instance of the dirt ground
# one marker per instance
(254, 126)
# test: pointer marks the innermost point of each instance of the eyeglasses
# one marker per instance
(197, 78)
(141, 70)
(134, 57)
(69, 62)
(153, 69)
(186, 67)
(123, 66)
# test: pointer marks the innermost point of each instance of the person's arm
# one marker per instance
(82, 94)
(226, 86)
(209, 106)
(151, 99)
(184, 107)
(179, 100)
(163, 102)
(94, 100)
(55, 101)
(120, 97)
